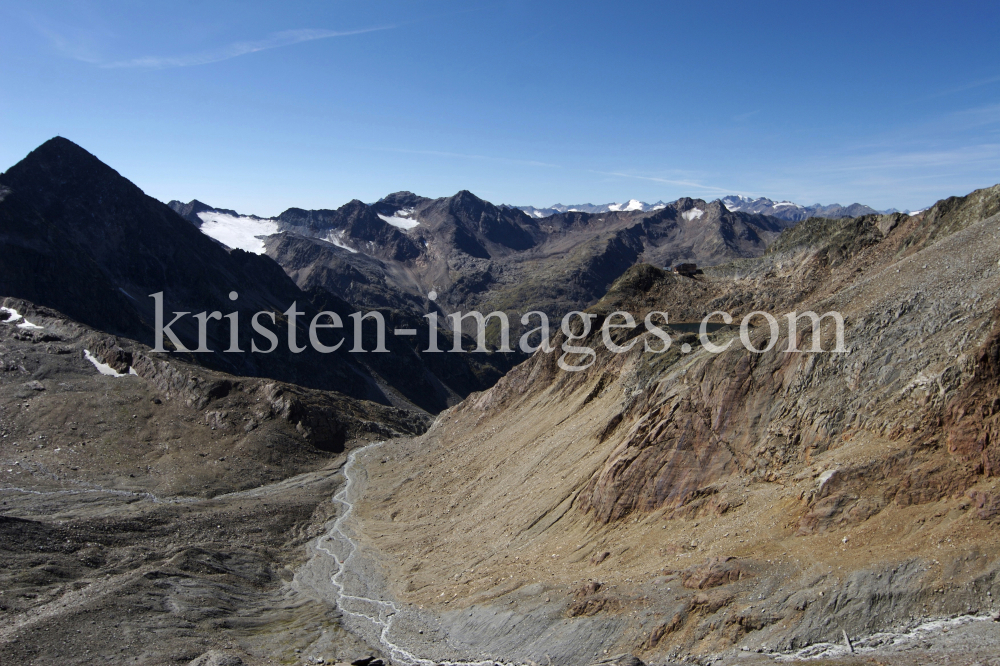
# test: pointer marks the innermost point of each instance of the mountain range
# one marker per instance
(630, 205)
(785, 210)
(479, 256)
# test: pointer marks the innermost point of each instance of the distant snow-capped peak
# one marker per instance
(737, 202)
(627, 207)
(633, 204)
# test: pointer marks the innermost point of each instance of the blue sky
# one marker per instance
(262, 106)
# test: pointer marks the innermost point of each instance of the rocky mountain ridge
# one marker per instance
(554, 209)
(788, 210)
(785, 210)
(476, 255)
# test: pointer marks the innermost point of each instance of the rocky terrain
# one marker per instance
(153, 510)
(476, 255)
(731, 504)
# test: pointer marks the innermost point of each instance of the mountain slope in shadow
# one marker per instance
(80, 238)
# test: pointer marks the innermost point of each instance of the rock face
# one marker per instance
(687, 270)
(971, 421)
(358, 223)
(715, 572)
(730, 499)
(359, 278)
(189, 211)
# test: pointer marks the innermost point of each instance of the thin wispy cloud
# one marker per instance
(668, 181)
(235, 50)
(981, 154)
(968, 86)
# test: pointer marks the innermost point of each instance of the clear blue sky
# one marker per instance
(262, 106)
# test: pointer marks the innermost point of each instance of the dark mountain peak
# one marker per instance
(61, 149)
(716, 206)
(353, 207)
(315, 220)
(291, 213)
(189, 211)
(104, 247)
(355, 220)
(685, 204)
(361, 222)
(466, 201)
(196, 205)
(60, 163)
(404, 199)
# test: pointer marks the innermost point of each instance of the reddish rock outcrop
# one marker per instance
(972, 420)
(714, 572)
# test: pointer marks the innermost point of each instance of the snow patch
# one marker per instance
(244, 233)
(104, 368)
(13, 315)
(337, 238)
(633, 204)
(399, 222)
(693, 214)
(825, 477)
(614, 207)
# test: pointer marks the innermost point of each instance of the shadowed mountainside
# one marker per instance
(80, 238)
